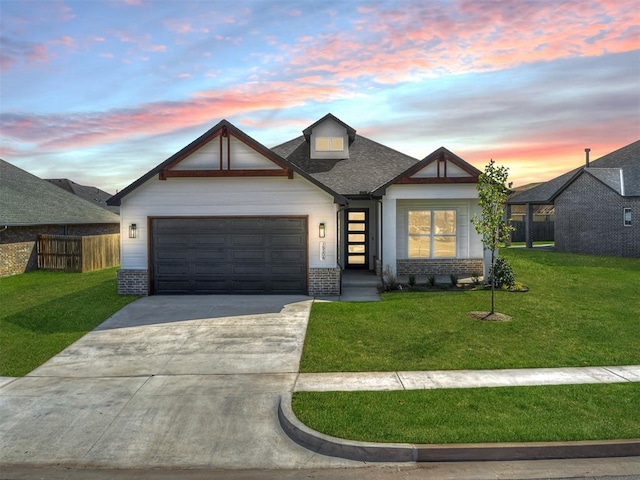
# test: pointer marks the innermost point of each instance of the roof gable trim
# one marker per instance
(434, 168)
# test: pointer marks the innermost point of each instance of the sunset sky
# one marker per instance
(102, 91)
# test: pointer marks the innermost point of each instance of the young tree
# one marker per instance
(493, 192)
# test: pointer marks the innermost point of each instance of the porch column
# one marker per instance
(528, 230)
(389, 234)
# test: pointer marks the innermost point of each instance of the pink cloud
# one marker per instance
(15, 52)
(426, 39)
(295, 12)
(90, 129)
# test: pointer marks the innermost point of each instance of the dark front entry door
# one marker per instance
(357, 238)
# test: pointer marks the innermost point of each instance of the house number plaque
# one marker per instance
(323, 251)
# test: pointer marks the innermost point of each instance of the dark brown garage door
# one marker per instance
(229, 255)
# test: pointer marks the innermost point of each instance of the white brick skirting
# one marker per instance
(133, 282)
(324, 281)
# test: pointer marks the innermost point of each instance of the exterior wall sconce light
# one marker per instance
(133, 230)
(322, 230)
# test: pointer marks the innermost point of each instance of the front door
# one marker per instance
(357, 235)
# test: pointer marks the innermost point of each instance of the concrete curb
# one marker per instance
(465, 452)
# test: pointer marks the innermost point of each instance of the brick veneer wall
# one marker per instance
(18, 253)
(324, 281)
(18, 257)
(589, 219)
(456, 266)
(133, 282)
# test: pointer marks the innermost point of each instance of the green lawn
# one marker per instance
(527, 414)
(581, 310)
(43, 312)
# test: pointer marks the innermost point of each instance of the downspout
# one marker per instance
(381, 240)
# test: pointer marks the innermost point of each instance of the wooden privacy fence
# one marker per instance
(541, 231)
(78, 254)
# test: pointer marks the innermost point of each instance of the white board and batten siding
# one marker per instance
(231, 196)
(431, 171)
(243, 157)
(399, 199)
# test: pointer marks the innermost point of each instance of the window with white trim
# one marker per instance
(627, 217)
(329, 144)
(431, 233)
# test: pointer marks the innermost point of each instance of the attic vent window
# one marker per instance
(329, 144)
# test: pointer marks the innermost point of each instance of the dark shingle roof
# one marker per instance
(623, 163)
(90, 194)
(28, 200)
(369, 165)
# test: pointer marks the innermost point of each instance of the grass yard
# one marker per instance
(44, 312)
(581, 310)
(528, 414)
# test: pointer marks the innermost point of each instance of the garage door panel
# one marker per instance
(281, 270)
(229, 255)
(248, 255)
(173, 239)
(250, 269)
(291, 240)
(287, 256)
(210, 269)
(247, 240)
(211, 240)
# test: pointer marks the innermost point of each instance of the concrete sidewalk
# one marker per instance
(356, 381)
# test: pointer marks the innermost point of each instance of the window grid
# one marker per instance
(329, 144)
(431, 234)
(627, 217)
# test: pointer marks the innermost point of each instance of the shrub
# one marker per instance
(454, 279)
(389, 279)
(412, 280)
(475, 278)
(503, 274)
(431, 279)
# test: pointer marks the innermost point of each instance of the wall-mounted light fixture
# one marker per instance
(322, 230)
(133, 230)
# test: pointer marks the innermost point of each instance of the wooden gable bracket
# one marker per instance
(442, 159)
(224, 132)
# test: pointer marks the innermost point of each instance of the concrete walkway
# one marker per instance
(357, 381)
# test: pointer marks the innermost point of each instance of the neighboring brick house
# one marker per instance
(597, 206)
(31, 206)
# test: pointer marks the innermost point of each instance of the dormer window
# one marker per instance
(329, 144)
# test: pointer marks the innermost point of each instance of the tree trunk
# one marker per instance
(493, 280)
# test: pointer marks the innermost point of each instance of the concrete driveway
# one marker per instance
(166, 382)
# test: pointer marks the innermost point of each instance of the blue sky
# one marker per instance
(102, 91)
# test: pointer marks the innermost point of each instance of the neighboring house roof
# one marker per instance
(28, 200)
(91, 194)
(370, 164)
(223, 126)
(618, 170)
